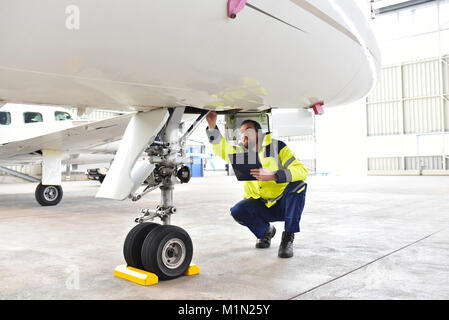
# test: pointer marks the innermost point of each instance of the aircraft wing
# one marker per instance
(73, 140)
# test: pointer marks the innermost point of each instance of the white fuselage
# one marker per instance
(141, 54)
(20, 122)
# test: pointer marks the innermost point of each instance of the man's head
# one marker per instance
(250, 131)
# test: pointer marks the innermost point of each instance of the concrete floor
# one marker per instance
(365, 238)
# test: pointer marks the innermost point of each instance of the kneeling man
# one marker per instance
(279, 192)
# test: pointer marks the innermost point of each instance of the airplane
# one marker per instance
(164, 59)
(31, 134)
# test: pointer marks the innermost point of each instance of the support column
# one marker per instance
(166, 201)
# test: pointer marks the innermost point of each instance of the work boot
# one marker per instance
(286, 247)
(265, 241)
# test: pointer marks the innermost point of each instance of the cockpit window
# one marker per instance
(31, 117)
(61, 116)
(5, 118)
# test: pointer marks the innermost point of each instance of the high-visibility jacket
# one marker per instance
(274, 155)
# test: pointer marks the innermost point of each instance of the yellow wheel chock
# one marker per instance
(146, 278)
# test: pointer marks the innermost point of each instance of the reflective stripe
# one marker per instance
(301, 190)
(272, 200)
(288, 173)
(289, 162)
(299, 186)
(280, 196)
(214, 136)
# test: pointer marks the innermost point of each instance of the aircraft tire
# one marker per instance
(48, 195)
(133, 243)
(167, 251)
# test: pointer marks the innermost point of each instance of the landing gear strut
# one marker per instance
(163, 249)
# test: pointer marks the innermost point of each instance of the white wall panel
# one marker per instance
(411, 163)
(384, 118)
(445, 85)
(387, 146)
(421, 79)
(424, 163)
(303, 149)
(388, 87)
(384, 108)
(385, 164)
(422, 115)
(446, 115)
(410, 98)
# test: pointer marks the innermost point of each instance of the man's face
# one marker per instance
(248, 135)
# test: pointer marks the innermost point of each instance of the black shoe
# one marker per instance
(286, 247)
(265, 241)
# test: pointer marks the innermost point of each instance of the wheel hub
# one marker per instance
(50, 193)
(173, 253)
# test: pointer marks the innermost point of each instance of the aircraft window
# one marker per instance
(61, 116)
(30, 117)
(5, 118)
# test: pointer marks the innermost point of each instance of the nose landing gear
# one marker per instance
(162, 249)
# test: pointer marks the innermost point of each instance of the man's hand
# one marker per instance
(211, 119)
(263, 174)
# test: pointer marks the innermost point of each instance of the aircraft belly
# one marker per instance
(141, 54)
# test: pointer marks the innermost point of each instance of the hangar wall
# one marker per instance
(408, 119)
(410, 98)
(408, 111)
(406, 116)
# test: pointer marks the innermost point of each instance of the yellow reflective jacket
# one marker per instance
(274, 155)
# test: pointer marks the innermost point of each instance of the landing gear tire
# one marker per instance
(167, 251)
(133, 243)
(48, 195)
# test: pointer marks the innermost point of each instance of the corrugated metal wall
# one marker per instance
(445, 81)
(424, 163)
(391, 164)
(384, 105)
(410, 99)
(385, 163)
(422, 97)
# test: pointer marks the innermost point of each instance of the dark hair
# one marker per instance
(255, 124)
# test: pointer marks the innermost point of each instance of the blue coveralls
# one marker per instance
(254, 214)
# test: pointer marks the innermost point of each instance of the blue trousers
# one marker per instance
(254, 214)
